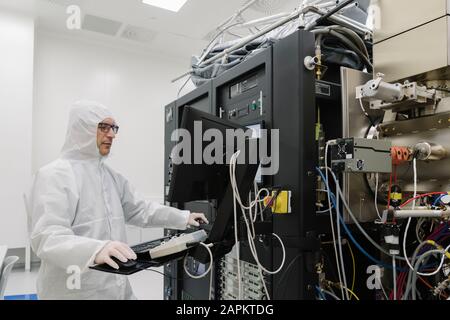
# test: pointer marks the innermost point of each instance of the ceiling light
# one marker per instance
(172, 5)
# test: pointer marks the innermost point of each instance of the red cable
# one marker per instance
(389, 192)
(403, 281)
(421, 196)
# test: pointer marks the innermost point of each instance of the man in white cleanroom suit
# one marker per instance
(78, 210)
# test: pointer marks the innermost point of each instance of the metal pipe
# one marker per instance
(333, 11)
(334, 18)
(251, 38)
(402, 214)
(224, 24)
(237, 13)
(341, 20)
(263, 20)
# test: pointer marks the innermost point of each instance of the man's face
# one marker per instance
(105, 136)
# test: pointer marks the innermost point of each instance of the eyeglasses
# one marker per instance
(105, 127)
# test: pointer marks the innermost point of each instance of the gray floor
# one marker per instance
(146, 285)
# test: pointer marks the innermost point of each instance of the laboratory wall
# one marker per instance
(16, 101)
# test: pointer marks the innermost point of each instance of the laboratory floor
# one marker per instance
(21, 285)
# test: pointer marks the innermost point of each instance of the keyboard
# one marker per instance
(145, 246)
(161, 250)
(177, 244)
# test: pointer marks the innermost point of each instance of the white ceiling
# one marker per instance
(179, 34)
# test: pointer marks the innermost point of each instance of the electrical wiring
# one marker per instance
(352, 293)
(394, 276)
(350, 235)
(287, 269)
(327, 210)
(255, 184)
(341, 255)
(330, 294)
(353, 263)
(182, 87)
(331, 215)
(421, 196)
(358, 225)
(236, 241)
(161, 273)
(436, 202)
(321, 296)
(383, 290)
(418, 226)
(431, 287)
(419, 262)
(365, 112)
(389, 191)
(414, 198)
(210, 282)
(412, 276)
(376, 196)
(250, 227)
(207, 247)
(251, 242)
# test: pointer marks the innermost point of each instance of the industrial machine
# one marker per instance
(357, 188)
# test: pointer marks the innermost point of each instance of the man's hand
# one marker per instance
(196, 218)
(115, 249)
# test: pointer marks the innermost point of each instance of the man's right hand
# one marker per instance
(115, 249)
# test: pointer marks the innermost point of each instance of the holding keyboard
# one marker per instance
(178, 243)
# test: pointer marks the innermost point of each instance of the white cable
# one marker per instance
(331, 216)
(236, 240)
(317, 205)
(439, 267)
(347, 207)
(251, 217)
(376, 196)
(418, 226)
(394, 275)
(234, 184)
(382, 288)
(211, 281)
(362, 107)
(210, 264)
(409, 220)
(251, 242)
(341, 255)
(259, 204)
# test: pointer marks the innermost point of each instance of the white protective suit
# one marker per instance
(77, 204)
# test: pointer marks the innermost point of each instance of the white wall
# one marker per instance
(134, 85)
(16, 95)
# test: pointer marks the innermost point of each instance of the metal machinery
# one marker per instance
(264, 92)
(379, 127)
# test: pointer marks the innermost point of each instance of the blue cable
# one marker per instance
(438, 199)
(350, 235)
(321, 295)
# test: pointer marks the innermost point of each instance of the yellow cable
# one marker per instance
(353, 294)
(354, 266)
(433, 243)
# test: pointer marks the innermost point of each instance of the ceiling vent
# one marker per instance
(65, 3)
(138, 34)
(101, 25)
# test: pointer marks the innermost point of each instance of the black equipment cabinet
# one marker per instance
(272, 90)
